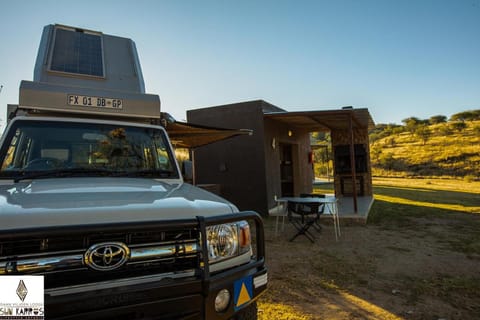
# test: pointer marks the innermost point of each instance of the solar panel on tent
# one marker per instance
(77, 52)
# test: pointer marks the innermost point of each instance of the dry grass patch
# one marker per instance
(417, 258)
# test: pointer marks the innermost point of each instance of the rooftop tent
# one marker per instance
(189, 135)
(87, 72)
(81, 72)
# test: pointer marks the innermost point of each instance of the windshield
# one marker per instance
(50, 148)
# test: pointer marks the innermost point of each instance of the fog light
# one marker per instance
(222, 300)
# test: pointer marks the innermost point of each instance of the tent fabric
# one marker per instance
(188, 135)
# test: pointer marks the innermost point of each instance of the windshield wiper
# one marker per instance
(86, 172)
(26, 175)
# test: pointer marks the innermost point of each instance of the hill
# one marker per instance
(445, 149)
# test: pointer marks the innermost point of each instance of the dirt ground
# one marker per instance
(423, 269)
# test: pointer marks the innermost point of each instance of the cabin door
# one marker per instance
(286, 170)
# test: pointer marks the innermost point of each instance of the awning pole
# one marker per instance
(353, 165)
(194, 178)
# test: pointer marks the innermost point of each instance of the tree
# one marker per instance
(476, 114)
(382, 130)
(466, 116)
(398, 129)
(437, 119)
(424, 133)
(411, 123)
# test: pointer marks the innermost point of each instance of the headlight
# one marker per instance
(228, 240)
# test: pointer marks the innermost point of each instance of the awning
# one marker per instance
(325, 120)
(189, 135)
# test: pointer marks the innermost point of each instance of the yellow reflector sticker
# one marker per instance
(242, 292)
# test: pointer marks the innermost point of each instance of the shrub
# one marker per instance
(445, 130)
(469, 178)
(458, 126)
(476, 129)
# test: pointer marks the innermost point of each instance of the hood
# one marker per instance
(81, 201)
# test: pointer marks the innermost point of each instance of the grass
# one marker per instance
(399, 199)
(402, 202)
(443, 154)
(301, 275)
(430, 184)
(268, 310)
(413, 203)
(454, 289)
(423, 206)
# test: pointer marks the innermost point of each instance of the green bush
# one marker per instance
(458, 126)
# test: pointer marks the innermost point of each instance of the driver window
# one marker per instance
(19, 151)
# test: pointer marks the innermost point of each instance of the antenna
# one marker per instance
(1, 87)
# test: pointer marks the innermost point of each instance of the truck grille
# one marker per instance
(15, 247)
(61, 257)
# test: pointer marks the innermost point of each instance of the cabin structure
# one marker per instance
(276, 160)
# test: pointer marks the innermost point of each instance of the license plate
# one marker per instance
(97, 102)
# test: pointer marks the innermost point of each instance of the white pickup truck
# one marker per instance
(95, 202)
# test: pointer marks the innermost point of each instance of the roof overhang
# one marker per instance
(189, 135)
(328, 120)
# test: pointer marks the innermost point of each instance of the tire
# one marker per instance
(247, 313)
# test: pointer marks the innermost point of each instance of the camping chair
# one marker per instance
(321, 207)
(330, 209)
(302, 216)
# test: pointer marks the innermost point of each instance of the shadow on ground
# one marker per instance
(408, 262)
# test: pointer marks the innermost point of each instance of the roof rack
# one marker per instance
(45, 97)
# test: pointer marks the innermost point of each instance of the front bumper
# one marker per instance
(187, 295)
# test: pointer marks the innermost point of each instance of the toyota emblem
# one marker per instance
(107, 256)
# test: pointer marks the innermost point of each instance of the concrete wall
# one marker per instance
(237, 164)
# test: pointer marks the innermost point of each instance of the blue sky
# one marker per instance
(397, 58)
